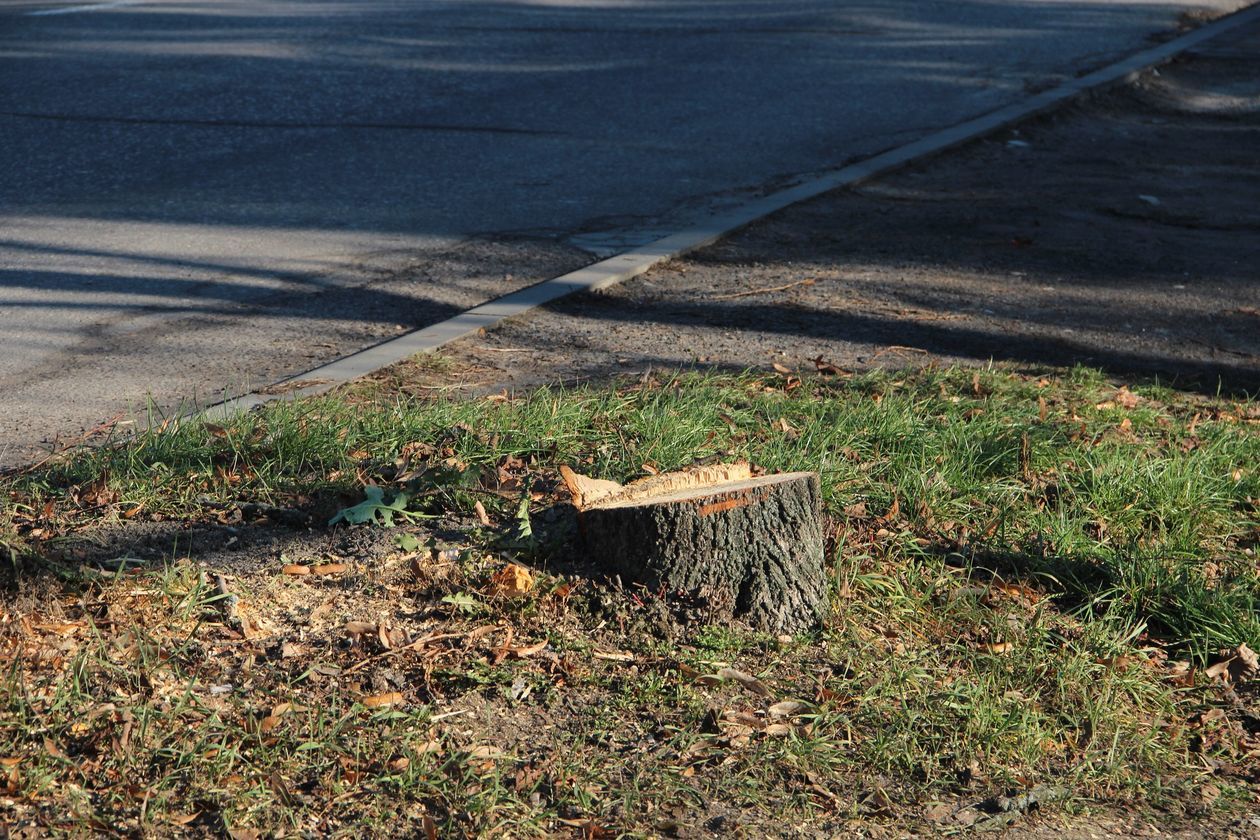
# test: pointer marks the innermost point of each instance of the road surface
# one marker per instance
(204, 197)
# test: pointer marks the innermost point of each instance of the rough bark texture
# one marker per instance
(751, 549)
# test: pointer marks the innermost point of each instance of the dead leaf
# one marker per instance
(289, 650)
(613, 656)
(1126, 398)
(60, 629)
(1017, 591)
(53, 750)
(482, 516)
(391, 638)
(781, 368)
(295, 569)
(388, 698)
(1212, 716)
(740, 718)
(999, 647)
(787, 708)
(876, 802)
(748, 681)
(483, 631)
(484, 751)
(329, 569)
(511, 581)
(826, 696)
(826, 368)
(528, 650)
(1236, 665)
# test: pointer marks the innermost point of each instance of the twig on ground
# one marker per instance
(808, 281)
(898, 348)
(418, 643)
(229, 605)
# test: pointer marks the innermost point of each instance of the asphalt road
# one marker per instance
(199, 197)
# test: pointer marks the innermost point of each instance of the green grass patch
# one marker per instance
(1030, 577)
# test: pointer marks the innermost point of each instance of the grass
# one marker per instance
(1030, 576)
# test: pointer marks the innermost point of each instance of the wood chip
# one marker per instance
(588, 491)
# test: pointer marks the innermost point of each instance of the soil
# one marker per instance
(1121, 232)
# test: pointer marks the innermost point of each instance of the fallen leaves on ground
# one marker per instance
(387, 698)
(511, 581)
(1236, 665)
(748, 681)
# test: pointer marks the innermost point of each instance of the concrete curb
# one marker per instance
(622, 267)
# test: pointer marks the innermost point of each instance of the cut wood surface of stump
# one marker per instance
(748, 547)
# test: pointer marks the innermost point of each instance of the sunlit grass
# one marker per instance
(1015, 559)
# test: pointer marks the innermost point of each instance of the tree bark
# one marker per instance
(751, 548)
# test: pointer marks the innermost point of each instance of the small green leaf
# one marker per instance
(407, 542)
(374, 509)
(464, 602)
(524, 528)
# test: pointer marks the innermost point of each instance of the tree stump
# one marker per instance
(749, 547)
